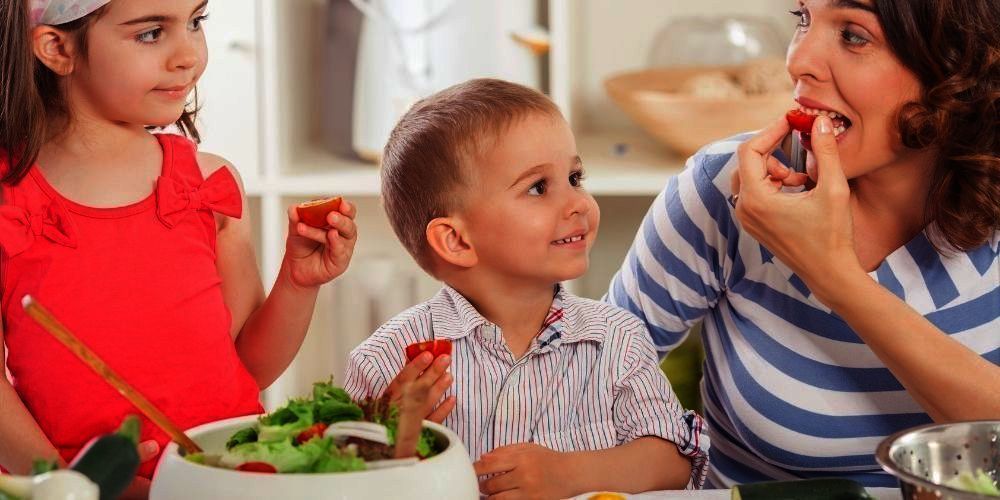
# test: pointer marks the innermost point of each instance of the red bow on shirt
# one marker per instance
(219, 193)
(19, 228)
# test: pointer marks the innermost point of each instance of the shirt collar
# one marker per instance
(454, 317)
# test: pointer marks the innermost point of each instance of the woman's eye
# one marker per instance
(151, 36)
(576, 179)
(198, 21)
(852, 38)
(803, 16)
(537, 189)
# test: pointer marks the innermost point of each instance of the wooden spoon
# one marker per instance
(62, 334)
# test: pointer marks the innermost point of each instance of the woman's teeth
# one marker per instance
(840, 122)
(573, 239)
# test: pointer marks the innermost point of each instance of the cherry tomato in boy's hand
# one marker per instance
(316, 430)
(438, 347)
(264, 467)
(313, 213)
(800, 121)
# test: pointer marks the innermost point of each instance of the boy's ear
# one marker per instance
(55, 48)
(447, 238)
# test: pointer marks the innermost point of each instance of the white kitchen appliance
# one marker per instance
(409, 49)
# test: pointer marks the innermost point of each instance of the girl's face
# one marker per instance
(841, 61)
(143, 59)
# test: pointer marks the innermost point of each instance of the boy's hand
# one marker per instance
(525, 470)
(315, 256)
(426, 371)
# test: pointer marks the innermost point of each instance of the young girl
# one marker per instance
(133, 240)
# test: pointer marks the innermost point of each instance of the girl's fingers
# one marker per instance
(348, 209)
(148, 450)
(342, 224)
(306, 231)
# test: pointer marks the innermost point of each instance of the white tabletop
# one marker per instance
(877, 493)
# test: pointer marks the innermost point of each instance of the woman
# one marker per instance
(869, 303)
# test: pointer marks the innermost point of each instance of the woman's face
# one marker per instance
(840, 61)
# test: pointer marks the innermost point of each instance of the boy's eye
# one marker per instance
(576, 178)
(537, 189)
(151, 36)
(197, 22)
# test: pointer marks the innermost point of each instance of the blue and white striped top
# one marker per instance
(790, 390)
(589, 381)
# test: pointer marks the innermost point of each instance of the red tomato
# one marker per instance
(800, 121)
(263, 467)
(314, 212)
(438, 347)
(311, 432)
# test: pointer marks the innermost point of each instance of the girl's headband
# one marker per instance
(56, 12)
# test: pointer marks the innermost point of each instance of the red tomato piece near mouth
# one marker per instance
(262, 467)
(313, 213)
(800, 121)
(313, 431)
(439, 347)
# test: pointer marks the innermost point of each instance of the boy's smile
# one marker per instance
(527, 214)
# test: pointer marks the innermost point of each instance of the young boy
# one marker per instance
(552, 394)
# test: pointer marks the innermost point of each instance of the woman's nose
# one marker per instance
(807, 57)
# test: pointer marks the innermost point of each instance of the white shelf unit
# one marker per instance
(274, 138)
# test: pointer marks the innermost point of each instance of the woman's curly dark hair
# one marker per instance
(953, 47)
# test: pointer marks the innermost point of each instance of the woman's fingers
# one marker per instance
(753, 154)
(830, 177)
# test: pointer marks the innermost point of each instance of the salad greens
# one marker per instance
(291, 439)
(980, 482)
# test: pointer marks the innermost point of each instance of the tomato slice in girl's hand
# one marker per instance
(313, 431)
(439, 347)
(800, 121)
(263, 467)
(313, 213)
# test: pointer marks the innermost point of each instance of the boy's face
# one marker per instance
(527, 215)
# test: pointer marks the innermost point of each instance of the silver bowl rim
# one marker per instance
(885, 460)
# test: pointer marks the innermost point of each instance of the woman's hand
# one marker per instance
(315, 256)
(810, 231)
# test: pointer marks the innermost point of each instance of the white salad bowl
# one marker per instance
(447, 475)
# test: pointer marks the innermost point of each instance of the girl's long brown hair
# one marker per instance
(953, 47)
(32, 108)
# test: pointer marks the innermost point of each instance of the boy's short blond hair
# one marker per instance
(440, 136)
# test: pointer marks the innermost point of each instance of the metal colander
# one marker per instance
(926, 457)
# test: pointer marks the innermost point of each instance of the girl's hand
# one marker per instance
(810, 231)
(525, 470)
(315, 256)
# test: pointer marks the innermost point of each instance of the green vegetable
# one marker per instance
(980, 482)
(43, 466)
(283, 455)
(806, 489)
(111, 460)
(332, 411)
(324, 391)
(286, 422)
(248, 435)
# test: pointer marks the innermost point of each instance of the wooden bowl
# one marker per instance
(686, 122)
